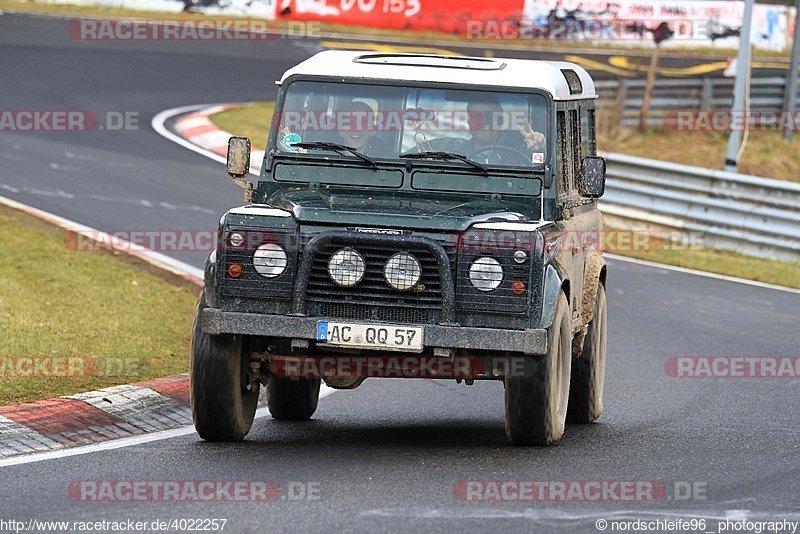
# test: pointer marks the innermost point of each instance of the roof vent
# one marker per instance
(573, 81)
(429, 60)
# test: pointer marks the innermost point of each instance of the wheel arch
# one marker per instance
(210, 279)
(556, 281)
(594, 275)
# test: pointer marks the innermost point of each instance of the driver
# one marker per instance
(490, 144)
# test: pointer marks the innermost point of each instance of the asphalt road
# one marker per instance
(387, 455)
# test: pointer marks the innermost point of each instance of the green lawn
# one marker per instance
(723, 262)
(767, 154)
(252, 120)
(118, 321)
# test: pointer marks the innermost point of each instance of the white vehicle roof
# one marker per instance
(550, 76)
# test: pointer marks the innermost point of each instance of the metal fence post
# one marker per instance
(707, 94)
(622, 97)
(790, 96)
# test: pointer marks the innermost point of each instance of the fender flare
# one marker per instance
(554, 280)
(594, 274)
(210, 279)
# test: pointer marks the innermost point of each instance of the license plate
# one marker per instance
(384, 337)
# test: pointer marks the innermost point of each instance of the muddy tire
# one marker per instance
(222, 407)
(292, 400)
(537, 387)
(589, 370)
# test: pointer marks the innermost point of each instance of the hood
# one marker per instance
(399, 209)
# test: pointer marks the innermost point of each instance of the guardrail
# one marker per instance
(747, 214)
(625, 96)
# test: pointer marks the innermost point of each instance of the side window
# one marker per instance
(564, 164)
(575, 147)
(588, 142)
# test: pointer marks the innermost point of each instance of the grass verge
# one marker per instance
(413, 38)
(723, 262)
(767, 154)
(73, 321)
(252, 121)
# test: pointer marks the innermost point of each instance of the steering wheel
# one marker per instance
(521, 157)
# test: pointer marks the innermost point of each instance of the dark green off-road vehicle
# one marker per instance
(415, 216)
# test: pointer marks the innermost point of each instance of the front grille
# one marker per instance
(361, 312)
(372, 298)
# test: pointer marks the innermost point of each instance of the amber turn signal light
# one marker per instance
(235, 270)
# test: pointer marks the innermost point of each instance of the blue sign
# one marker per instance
(322, 331)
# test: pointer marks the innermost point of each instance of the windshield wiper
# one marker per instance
(446, 156)
(336, 147)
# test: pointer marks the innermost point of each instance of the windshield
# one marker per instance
(390, 122)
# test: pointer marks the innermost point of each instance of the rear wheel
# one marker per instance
(292, 400)
(223, 407)
(589, 371)
(537, 387)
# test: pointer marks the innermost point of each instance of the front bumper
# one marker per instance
(529, 341)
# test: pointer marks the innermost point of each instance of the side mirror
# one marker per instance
(238, 165)
(238, 157)
(592, 181)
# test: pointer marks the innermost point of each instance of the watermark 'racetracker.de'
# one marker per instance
(241, 491)
(632, 491)
(66, 120)
(187, 30)
(733, 366)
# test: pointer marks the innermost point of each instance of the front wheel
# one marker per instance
(223, 401)
(537, 387)
(589, 371)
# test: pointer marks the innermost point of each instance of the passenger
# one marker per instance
(490, 144)
(360, 131)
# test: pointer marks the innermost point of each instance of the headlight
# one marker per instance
(402, 271)
(486, 274)
(346, 267)
(269, 260)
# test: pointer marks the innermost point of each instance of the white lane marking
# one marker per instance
(123, 442)
(737, 515)
(214, 138)
(80, 157)
(58, 167)
(161, 118)
(545, 514)
(155, 258)
(158, 125)
(706, 274)
(193, 122)
(60, 193)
